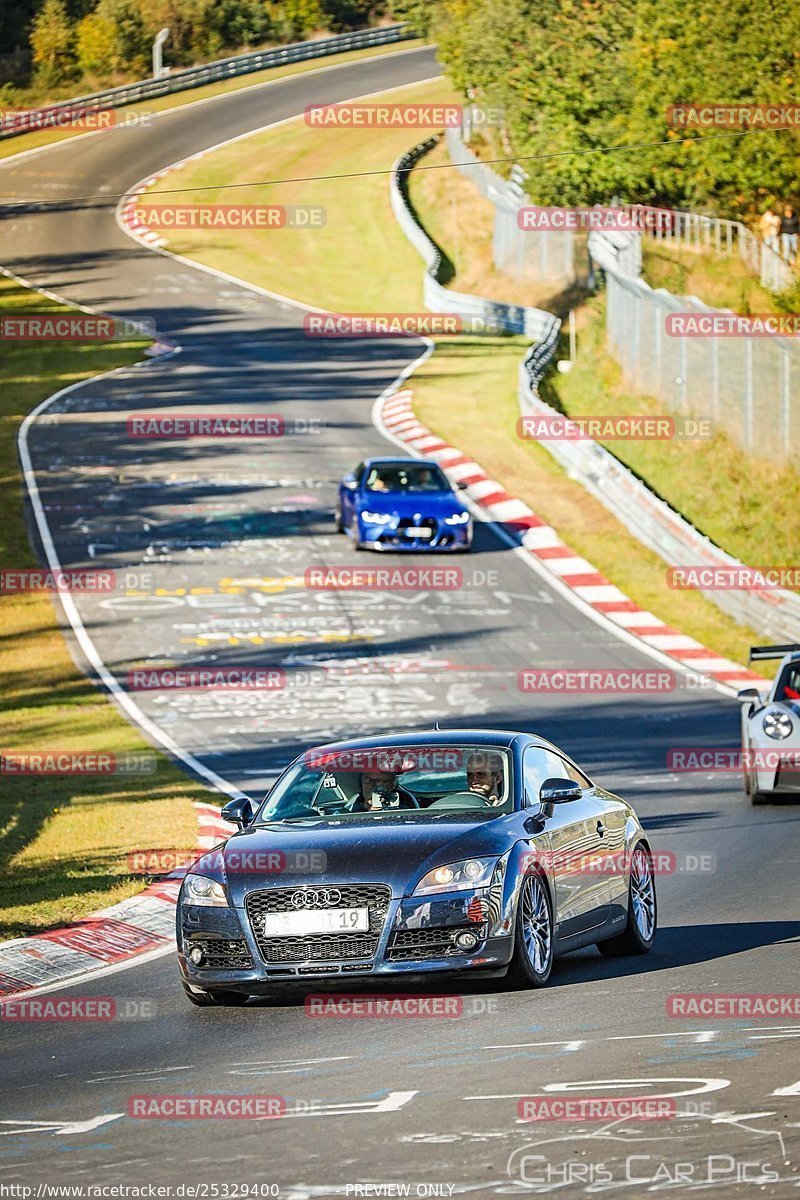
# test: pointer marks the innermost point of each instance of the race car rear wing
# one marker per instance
(761, 652)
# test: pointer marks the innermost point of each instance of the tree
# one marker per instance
(418, 13)
(52, 38)
(95, 45)
(294, 20)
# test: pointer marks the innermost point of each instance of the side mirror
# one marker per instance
(559, 791)
(239, 812)
(749, 695)
(350, 484)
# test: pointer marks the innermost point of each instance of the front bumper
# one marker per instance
(417, 938)
(444, 538)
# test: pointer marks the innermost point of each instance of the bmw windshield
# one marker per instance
(368, 782)
(406, 477)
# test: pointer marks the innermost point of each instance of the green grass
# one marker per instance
(359, 261)
(466, 392)
(719, 280)
(46, 137)
(64, 840)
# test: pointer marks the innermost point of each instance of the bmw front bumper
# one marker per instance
(445, 538)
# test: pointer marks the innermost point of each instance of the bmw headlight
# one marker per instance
(199, 889)
(376, 518)
(457, 519)
(777, 724)
(457, 877)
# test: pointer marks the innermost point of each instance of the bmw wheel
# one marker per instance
(359, 545)
(533, 935)
(640, 931)
(216, 999)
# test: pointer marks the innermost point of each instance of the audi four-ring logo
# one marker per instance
(318, 898)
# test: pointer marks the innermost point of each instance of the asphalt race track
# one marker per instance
(215, 534)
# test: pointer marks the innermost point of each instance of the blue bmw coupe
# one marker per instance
(402, 504)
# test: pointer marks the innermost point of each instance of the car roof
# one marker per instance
(397, 461)
(502, 738)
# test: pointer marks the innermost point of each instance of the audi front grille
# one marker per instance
(319, 947)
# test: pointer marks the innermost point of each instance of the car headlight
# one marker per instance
(457, 519)
(457, 877)
(199, 889)
(374, 518)
(777, 725)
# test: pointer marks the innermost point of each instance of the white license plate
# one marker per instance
(420, 531)
(329, 920)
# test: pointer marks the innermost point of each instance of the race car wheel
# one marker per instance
(359, 545)
(533, 935)
(751, 791)
(216, 999)
(337, 520)
(640, 931)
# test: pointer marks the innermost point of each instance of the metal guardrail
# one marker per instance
(192, 77)
(485, 315)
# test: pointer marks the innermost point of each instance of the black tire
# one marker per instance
(219, 998)
(337, 520)
(533, 960)
(359, 545)
(634, 939)
(759, 798)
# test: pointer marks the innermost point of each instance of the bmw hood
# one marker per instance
(402, 504)
(391, 848)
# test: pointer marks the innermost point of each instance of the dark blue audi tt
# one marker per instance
(445, 852)
(402, 504)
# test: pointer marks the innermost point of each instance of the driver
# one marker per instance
(485, 777)
(377, 482)
(380, 789)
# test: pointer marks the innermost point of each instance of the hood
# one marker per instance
(392, 848)
(406, 504)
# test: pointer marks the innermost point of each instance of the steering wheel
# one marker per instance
(453, 799)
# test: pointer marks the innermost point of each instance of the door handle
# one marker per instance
(601, 828)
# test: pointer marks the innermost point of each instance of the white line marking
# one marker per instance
(59, 1128)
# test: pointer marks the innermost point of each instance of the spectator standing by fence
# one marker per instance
(789, 230)
(769, 227)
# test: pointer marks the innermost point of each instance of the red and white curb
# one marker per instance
(135, 926)
(541, 541)
(131, 206)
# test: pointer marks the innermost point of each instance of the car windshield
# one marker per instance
(405, 477)
(417, 780)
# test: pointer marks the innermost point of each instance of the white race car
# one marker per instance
(771, 729)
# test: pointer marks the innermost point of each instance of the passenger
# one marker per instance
(380, 789)
(485, 777)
